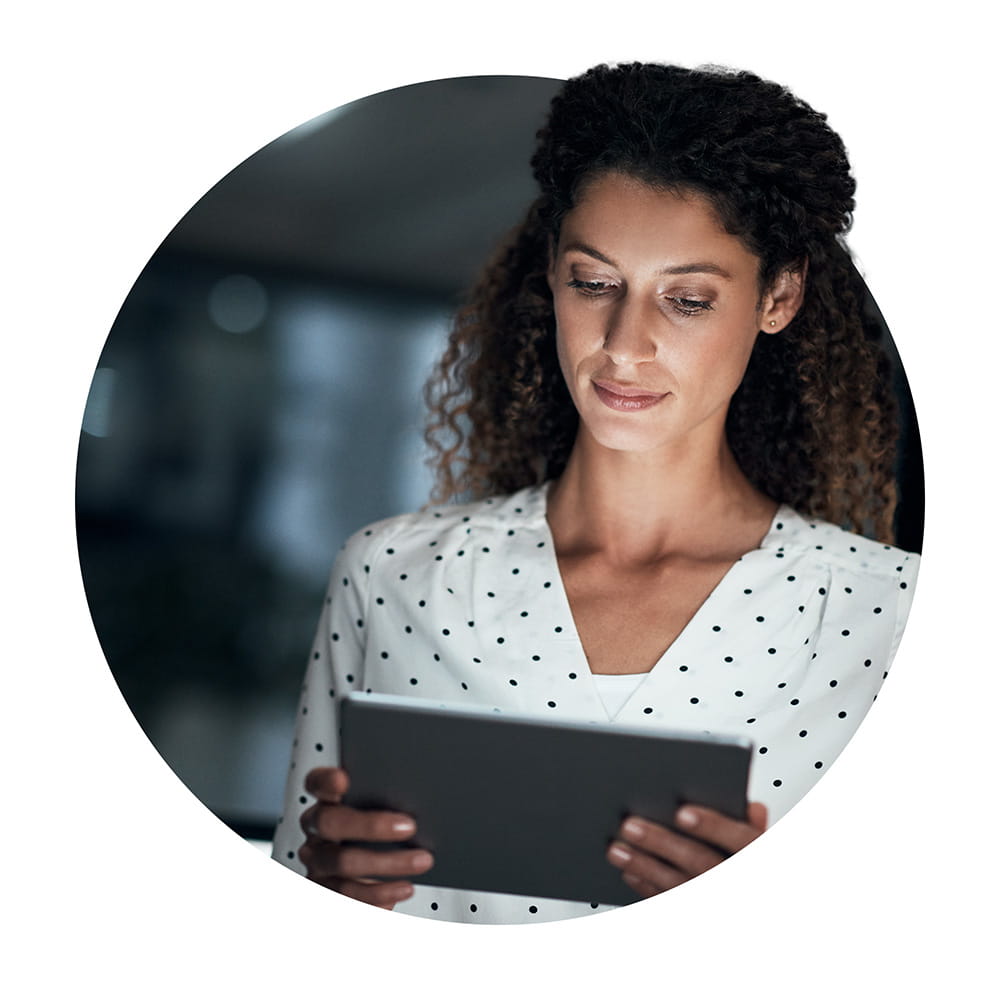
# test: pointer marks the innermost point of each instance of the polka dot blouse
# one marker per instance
(465, 603)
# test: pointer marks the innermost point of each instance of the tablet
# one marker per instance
(513, 804)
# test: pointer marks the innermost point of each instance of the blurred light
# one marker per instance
(97, 412)
(307, 128)
(237, 303)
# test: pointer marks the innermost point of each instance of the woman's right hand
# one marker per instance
(354, 870)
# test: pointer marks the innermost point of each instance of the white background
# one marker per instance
(118, 882)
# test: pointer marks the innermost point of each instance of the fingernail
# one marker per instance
(618, 853)
(633, 829)
(686, 817)
(402, 892)
(421, 860)
(404, 826)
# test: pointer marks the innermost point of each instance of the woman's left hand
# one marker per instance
(653, 858)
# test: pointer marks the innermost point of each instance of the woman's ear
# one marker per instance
(784, 299)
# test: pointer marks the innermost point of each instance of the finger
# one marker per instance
(327, 784)
(713, 827)
(360, 862)
(382, 894)
(644, 873)
(640, 886)
(757, 815)
(687, 853)
(339, 823)
(325, 860)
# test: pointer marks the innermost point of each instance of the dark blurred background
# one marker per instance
(259, 398)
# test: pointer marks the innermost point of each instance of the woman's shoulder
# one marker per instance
(434, 525)
(835, 547)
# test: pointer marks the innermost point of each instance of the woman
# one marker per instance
(663, 390)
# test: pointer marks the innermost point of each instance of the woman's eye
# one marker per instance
(588, 287)
(691, 306)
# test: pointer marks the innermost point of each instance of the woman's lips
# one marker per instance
(626, 397)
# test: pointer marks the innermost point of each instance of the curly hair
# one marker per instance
(813, 423)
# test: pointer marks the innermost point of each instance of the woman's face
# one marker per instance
(657, 310)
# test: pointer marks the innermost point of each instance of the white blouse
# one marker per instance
(465, 602)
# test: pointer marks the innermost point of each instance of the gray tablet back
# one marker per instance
(519, 805)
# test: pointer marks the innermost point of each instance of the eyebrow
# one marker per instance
(697, 267)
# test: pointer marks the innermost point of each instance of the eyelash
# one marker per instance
(689, 307)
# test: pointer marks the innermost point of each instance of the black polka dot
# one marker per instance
(532, 909)
(818, 764)
(647, 710)
(682, 668)
(434, 906)
(803, 732)
(841, 715)
(512, 682)
(694, 701)
(413, 680)
(551, 704)
(762, 750)
(776, 782)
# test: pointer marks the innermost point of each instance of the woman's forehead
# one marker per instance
(620, 219)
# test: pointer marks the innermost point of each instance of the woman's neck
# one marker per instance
(643, 507)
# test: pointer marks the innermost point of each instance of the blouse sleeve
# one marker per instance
(336, 666)
(907, 578)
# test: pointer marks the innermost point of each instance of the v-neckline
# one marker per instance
(561, 597)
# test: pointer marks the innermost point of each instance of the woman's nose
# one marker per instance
(630, 335)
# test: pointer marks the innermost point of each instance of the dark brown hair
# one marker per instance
(813, 422)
